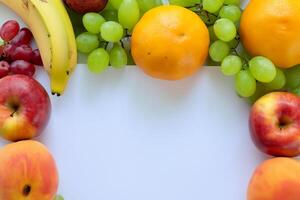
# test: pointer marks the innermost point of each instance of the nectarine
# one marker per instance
(276, 179)
(27, 171)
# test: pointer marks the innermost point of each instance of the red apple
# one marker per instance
(24, 107)
(275, 124)
(85, 6)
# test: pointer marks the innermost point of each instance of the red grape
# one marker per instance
(8, 50)
(4, 68)
(23, 37)
(23, 52)
(9, 30)
(22, 67)
(36, 58)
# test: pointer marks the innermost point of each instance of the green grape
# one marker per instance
(146, 5)
(98, 60)
(111, 31)
(110, 15)
(129, 13)
(59, 197)
(231, 12)
(231, 65)
(292, 77)
(212, 35)
(225, 29)
(245, 83)
(212, 6)
(115, 3)
(184, 3)
(87, 42)
(218, 50)
(109, 6)
(232, 2)
(262, 69)
(278, 82)
(118, 56)
(92, 22)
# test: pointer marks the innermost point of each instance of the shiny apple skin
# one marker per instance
(25, 108)
(275, 124)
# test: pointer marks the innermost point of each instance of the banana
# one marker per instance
(54, 35)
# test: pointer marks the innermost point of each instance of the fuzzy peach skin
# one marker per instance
(275, 124)
(276, 179)
(27, 172)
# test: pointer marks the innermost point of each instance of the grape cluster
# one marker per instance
(253, 76)
(107, 36)
(107, 42)
(16, 54)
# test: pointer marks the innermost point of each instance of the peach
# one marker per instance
(27, 171)
(276, 179)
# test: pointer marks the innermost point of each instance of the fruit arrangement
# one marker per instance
(259, 46)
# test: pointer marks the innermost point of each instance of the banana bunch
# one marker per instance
(52, 29)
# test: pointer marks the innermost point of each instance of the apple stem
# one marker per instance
(14, 108)
(13, 113)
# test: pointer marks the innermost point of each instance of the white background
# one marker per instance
(124, 136)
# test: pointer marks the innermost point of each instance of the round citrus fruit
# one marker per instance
(170, 42)
(271, 28)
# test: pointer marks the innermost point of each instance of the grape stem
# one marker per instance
(244, 60)
(122, 44)
(127, 34)
(194, 6)
(235, 52)
(208, 18)
(106, 45)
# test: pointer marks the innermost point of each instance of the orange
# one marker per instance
(170, 42)
(271, 28)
